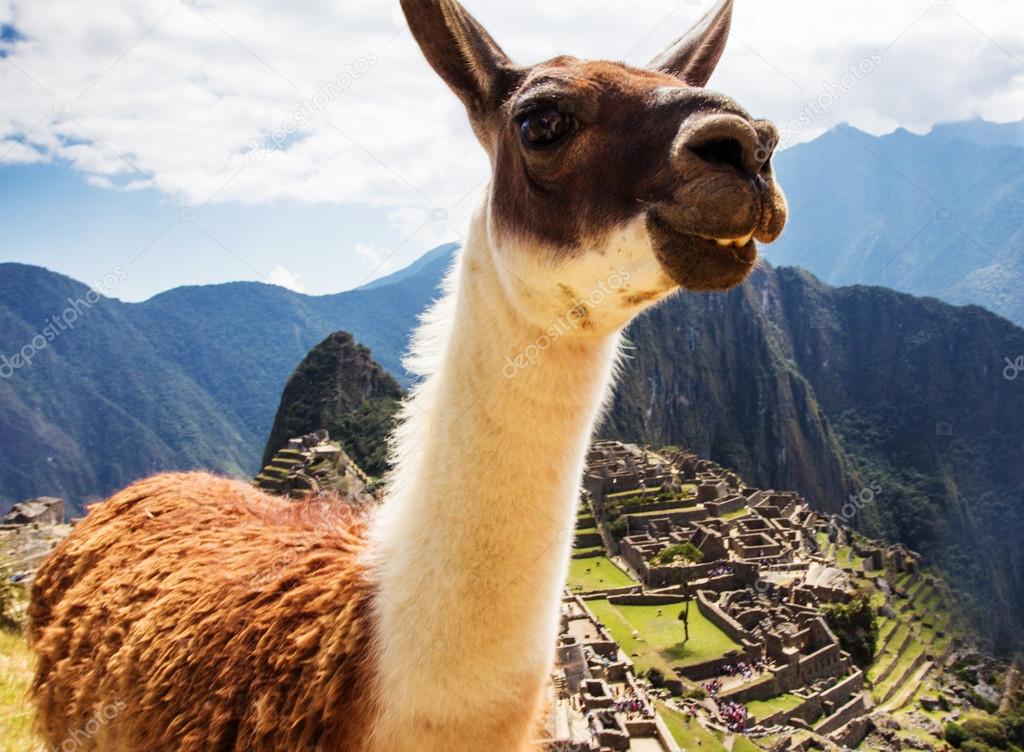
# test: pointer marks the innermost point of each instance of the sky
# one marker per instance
(310, 145)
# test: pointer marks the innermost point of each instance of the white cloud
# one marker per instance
(16, 152)
(379, 262)
(227, 102)
(372, 254)
(286, 278)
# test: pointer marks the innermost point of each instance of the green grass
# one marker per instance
(886, 626)
(596, 573)
(902, 664)
(761, 709)
(15, 711)
(742, 512)
(743, 744)
(844, 557)
(661, 637)
(665, 512)
(689, 733)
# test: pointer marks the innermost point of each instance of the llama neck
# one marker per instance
(472, 545)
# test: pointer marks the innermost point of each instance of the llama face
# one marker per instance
(631, 181)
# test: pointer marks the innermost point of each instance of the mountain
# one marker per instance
(939, 215)
(340, 388)
(707, 372)
(888, 410)
(190, 378)
(430, 265)
(982, 132)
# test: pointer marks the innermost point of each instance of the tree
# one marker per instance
(991, 731)
(856, 625)
(682, 554)
(955, 734)
(679, 552)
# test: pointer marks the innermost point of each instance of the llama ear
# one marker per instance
(694, 56)
(461, 51)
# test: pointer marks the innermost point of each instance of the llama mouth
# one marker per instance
(700, 263)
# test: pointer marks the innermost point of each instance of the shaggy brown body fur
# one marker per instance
(214, 617)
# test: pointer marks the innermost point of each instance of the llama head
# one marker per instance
(612, 185)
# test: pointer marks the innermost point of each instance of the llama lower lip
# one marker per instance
(699, 263)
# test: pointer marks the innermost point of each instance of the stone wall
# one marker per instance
(646, 599)
(720, 619)
(46, 510)
(853, 733)
(844, 690)
(848, 712)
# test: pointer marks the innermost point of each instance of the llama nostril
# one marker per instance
(727, 141)
(722, 151)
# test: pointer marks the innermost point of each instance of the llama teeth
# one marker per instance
(734, 242)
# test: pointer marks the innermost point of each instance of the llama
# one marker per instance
(191, 612)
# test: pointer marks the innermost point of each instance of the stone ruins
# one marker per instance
(769, 563)
(315, 465)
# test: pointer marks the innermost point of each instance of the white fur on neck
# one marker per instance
(471, 548)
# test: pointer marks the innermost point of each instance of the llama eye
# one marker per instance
(546, 126)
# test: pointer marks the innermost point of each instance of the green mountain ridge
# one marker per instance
(340, 388)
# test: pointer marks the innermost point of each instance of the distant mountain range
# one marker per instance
(940, 214)
(190, 378)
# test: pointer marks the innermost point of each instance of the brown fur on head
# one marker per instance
(582, 149)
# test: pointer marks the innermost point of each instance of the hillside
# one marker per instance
(339, 388)
(845, 392)
(940, 214)
(190, 378)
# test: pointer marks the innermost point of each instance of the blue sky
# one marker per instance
(309, 144)
(50, 216)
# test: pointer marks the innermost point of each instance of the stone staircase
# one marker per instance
(313, 465)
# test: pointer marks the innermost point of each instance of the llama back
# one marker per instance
(190, 612)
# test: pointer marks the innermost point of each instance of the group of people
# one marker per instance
(747, 670)
(626, 703)
(721, 570)
(632, 707)
(712, 688)
(734, 714)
